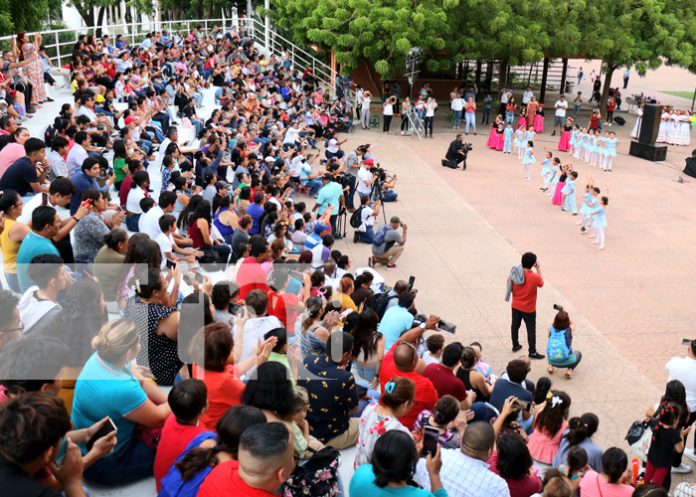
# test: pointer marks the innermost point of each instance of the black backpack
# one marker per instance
(379, 302)
(356, 218)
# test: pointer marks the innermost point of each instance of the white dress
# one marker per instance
(636, 126)
(662, 133)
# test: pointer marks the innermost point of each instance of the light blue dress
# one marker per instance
(507, 144)
(588, 205)
(611, 144)
(569, 191)
(545, 167)
(529, 158)
(530, 134)
(600, 218)
(519, 138)
(573, 137)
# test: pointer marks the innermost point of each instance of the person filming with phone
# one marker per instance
(523, 282)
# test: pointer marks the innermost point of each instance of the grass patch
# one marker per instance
(684, 94)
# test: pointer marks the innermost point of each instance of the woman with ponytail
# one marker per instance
(205, 466)
(579, 433)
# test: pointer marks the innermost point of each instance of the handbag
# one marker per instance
(638, 437)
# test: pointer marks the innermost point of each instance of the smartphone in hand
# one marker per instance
(430, 438)
(105, 429)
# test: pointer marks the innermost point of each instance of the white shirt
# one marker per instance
(388, 109)
(527, 96)
(457, 103)
(166, 245)
(84, 111)
(291, 135)
(561, 106)
(332, 146)
(149, 222)
(367, 218)
(76, 157)
(163, 147)
(364, 175)
(57, 163)
(35, 202)
(254, 330)
(464, 476)
(684, 370)
(504, 97)
(430, 109)
(133, 201)
(429, 359)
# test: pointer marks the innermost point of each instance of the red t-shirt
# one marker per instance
(125, 188)
(445, 381)
(524, 296)
(174, 439)
(224, 391)
(426, 396)
(250, 276)
(282, 306)
(224, 481)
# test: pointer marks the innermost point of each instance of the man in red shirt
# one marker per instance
(524, 299)
(251, 275)
(265, 462)
(442, 374)
(402, 360)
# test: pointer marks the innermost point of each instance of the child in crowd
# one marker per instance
(666, 440)
(304, 443)
(569, 203)
(482, 366)
(546, 171)
(446, 410)
(188, 401)
(576, 467)
(280, 351)
(507, 146)
(435, 344)
(599, 222)
(528, 160)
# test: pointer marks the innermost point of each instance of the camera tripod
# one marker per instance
(376, 194)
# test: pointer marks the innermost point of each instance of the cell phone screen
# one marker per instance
(430, 437)
(105, 429)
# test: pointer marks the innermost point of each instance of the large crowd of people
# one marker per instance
(175, 306)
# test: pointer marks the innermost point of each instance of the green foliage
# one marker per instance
(622, 32)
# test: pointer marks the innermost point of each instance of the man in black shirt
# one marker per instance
(26, 173)
(455, 153)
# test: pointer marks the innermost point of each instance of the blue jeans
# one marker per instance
(134, 462)
(314, 186)
(146, 145)
(457, 118)
(389, 196)
(367, 237)
(132, 222)
(470, 121)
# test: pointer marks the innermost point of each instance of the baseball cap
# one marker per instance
(129, 120)
(369, 162)
(221, 185)
(319, 228)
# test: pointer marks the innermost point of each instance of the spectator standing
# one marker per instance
(524, 297)
(684, 370)
(559, 118)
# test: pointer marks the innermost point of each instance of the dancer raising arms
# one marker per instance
(599, 222)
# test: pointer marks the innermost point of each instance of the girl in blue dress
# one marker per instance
(611, 143)
(519, 142)
(528, 160)
(507, 144)
(546, 171)
(580, 145)
(591, 154)
(589, 204)
(599, 222)
(573, 139)
(530, 134)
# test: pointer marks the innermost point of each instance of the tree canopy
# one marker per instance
(643, 33)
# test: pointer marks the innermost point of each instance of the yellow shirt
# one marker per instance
(9, 248)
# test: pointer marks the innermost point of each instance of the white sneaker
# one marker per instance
(682, 469)
(690, 454)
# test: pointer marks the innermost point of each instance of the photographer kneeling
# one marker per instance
(388, 243)
(457, 153)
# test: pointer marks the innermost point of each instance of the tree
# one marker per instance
(380, 31)
(640, 33)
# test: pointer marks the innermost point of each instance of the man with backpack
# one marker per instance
(388, 243)
(363, 220)
(524, 297)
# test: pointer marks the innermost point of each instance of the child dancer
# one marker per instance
(507, 146)
(568, 192)
(530, 134)
(601, 150)
(546, 172)
(555, 175)
(589, 204)
(522, 121)
(573, 140)
(557, 198)
(539, 119)
(611, 143)
(519, 142)
(491, 135)
(499, 137)
(528, 160)
(587, 145)
(599, 222)
(564, 141)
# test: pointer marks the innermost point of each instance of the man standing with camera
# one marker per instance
(388, 244)
(352, 165)
(456, 153)
(525, 282)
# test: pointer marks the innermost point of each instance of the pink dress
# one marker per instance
(543, 447)
(499, 141)
(557, 195)
(564, 141)
(34, 73)
(539, 123)
(522, 122)
(490, 143)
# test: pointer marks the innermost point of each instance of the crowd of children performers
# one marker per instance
(559, 180)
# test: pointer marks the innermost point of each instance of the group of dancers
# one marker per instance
(590, 145)
(558, 179)
(675, 126)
